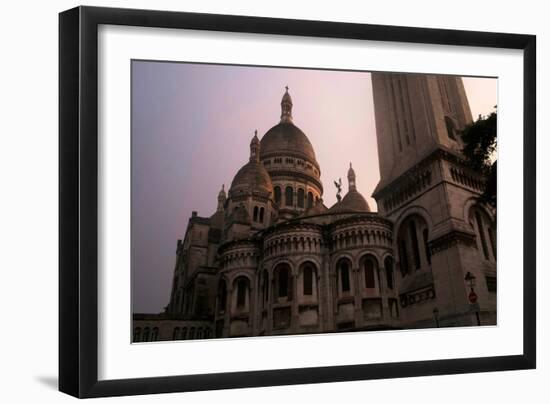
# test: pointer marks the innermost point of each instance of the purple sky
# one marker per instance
(191, 129)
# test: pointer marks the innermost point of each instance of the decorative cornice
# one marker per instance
(441, 153)
(251, 243)
(285, 172)
(291, 225)
(360, 218)
(451, 239)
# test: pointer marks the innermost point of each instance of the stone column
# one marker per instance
(333, 298)
(228, 306)
(252, 308)
(294, 315)
(357, 286)
(325, 295)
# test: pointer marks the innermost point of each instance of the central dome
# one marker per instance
(286, 138)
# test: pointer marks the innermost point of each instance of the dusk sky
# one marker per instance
(191, 129)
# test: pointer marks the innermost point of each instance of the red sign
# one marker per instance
(473, 297)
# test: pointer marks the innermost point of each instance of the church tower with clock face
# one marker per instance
(444, 239)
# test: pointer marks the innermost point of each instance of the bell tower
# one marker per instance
(441, 232)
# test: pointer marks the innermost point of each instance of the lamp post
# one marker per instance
(436, 316)
(471, 280)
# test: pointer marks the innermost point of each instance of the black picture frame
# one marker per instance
(78, 201)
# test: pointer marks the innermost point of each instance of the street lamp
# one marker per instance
(471, 279)
(436, 316)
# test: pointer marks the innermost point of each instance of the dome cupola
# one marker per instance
(353, 201)
(252, 177)
(255, 148)
(286, 107)
(285, 138)
(289, 158)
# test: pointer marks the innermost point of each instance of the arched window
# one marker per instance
(261, 215)
(310, 199)
(403, 258)
(493, 241)
(483, 227)
(426, 246)
(207, 333)
(183, 333)
(222, 295)
(344, 275)
(242, 289)
(255, 216)
(301, 196)
(412, 244)
(481, 233)
(282, 281)
(176, 333)
(155, 334)
(146, 332)
(199, 333)
(450, 128)
(277, 192)
(308, 279)
(137, 334)
(388, 266)
(289, 196)
(369, 271)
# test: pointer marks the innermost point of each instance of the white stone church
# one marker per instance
(273, 259)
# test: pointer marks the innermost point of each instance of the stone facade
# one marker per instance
(273, 259)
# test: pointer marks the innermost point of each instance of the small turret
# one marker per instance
(221, 199)
(255, 148)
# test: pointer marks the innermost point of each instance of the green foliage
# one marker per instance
(480, 145)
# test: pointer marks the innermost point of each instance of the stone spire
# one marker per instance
(286, 107)
(255, 148)
(351, 179)
(221, 199)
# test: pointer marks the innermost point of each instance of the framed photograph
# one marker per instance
(250, 201)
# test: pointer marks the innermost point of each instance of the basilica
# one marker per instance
(273, 259)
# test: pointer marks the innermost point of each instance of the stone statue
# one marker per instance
(339, 188)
